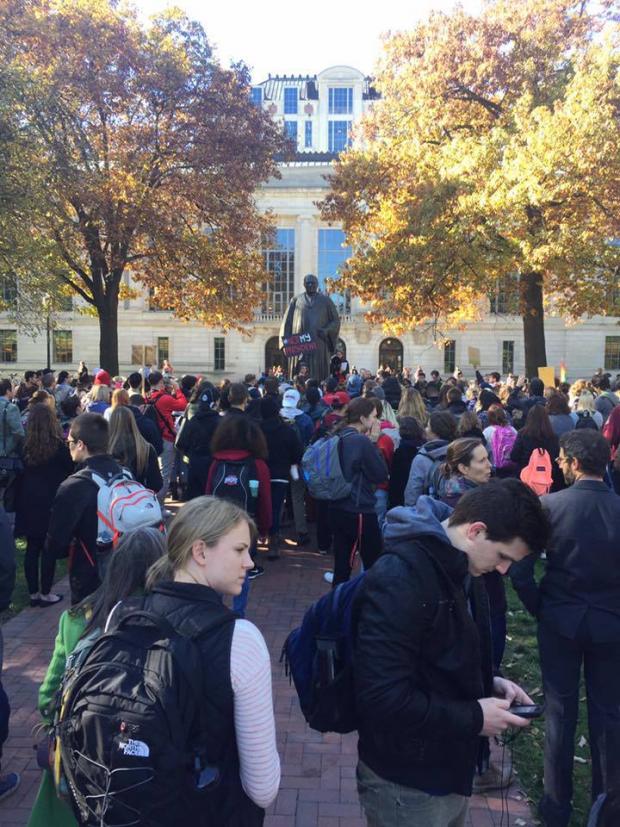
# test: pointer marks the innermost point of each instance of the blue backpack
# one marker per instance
(318, 657)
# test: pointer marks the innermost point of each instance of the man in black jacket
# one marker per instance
(424, 683)
(577, 604)
(73, 521)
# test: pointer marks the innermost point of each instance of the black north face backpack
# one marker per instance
(130, 732)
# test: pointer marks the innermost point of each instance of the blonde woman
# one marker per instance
(412, 404)
(585, 411)
(120, 397)
(131, 450)
(208, 557)
(98, 399)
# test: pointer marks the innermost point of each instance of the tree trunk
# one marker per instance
(108, 334)
(532, 313)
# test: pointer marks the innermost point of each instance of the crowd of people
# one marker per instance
(453, 483)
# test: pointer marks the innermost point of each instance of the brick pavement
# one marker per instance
(318, 771)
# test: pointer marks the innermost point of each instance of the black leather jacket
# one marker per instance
(421, 661)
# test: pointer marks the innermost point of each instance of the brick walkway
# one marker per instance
(318, 771)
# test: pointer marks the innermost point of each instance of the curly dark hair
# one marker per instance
(43, 435)
(238, 432)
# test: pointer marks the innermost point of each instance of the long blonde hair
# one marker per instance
(120, 397)
(412, 404)
(99, 393)
(203, 518)
(125, 442)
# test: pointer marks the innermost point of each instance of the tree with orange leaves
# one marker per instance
(494, 152)
(148, 154)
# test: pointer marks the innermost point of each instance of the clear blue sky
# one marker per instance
(302, 38)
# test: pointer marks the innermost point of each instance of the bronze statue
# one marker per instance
(309, 331)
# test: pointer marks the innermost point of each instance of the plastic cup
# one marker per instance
(254, 488)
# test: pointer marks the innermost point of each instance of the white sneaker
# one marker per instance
(328, 576)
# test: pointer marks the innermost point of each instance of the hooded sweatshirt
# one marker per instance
(430, 454)
(422, 656)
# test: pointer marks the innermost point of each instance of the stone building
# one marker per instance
(318, 112)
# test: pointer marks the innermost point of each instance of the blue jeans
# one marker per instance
(381, 505)
(387, 804)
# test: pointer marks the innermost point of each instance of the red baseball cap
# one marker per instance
(103, 378)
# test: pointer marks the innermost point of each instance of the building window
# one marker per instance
(612, 352)
(155, 306)
(290, 128)
(279, 261)
(508, 357)
(163, 349)
(341, 101)
(338, 135)
(256, 95)
(8, 346)
(505, 299)
(290, 100)
(65, 303)
(332, 255)
(63, 347)
(308, 134)
(449, 356)
(8, 290)
(219, 353)
(391, 355)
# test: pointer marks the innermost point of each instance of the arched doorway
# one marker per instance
(273, 355)
(391, 354)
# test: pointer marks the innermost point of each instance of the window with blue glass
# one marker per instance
(308, 135)
(291, 130)
(341, 101)
(256, 95)
(279, 261)
(332, 255)
(338, 135)
(290, 100)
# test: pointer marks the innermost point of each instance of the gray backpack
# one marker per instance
(322, 467)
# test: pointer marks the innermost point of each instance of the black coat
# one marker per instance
(36, 488)
(581, 584)
(151, 477)
(148, 428)
(283, 445)
(399, 473)
(195, 442)
(421, 663)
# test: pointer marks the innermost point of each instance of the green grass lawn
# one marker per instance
(521, 665)
(21, 598)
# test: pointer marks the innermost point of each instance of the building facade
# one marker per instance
(318, 112)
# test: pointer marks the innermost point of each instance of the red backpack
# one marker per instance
(537, 473)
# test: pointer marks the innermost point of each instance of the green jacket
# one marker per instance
(70, 628)
(48, 809)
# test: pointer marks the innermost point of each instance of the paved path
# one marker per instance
(318, 771)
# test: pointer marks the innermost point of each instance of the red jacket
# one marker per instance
(165, 404)
(263, 506)
(385, 444)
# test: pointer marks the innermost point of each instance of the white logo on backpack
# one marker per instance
(123, 504)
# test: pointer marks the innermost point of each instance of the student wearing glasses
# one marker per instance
(73, 521)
